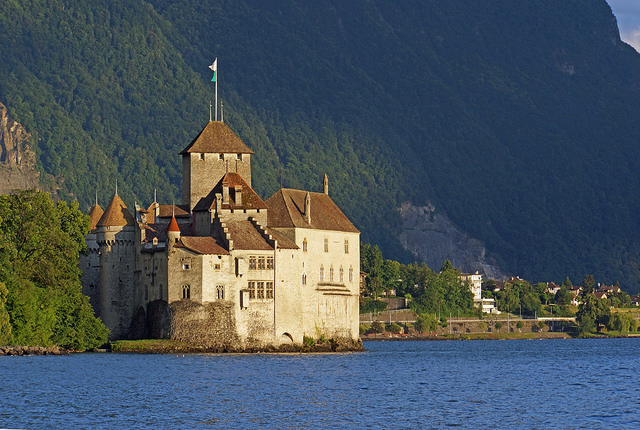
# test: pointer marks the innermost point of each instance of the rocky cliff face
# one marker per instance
(17, 157)
(432, 237)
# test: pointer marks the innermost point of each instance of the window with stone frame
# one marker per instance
(253, 262)
(269, 290)
(269, 263)
(326, 245)
(252, 289)
(321, 273)
(220, 292)
(341, 274)
(346, 246)
(260, 290)
(331, 274)
(186, 292)
(261, 264)
(350, 274)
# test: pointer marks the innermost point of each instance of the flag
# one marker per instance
(214, 67)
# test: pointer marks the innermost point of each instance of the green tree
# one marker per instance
(623, 322)
(563, 296)
(587, 285)
(5, 326)
(39, 249)
(498, 326)
(426, 323)
(592, 313)
(566, 282)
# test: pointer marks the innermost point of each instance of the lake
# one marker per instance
(403, 384)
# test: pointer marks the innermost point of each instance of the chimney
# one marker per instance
(225, 193)
(325, 183)
(238, 191)
(307, 208)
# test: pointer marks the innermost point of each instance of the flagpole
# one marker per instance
(216, 95)
(214, 67)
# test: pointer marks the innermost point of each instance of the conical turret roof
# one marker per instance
(95, 214)
(173, 225)
(116, 215)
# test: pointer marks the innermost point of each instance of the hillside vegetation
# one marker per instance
(517, 119)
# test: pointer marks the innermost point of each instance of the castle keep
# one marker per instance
(224, 268)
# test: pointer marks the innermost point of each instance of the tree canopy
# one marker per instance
(40, 289)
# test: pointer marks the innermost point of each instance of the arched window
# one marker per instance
(304, 278)
(186, 292)
(304, 245)
(331, 273)
(321, 273)
(350, 274)
(341, 274)
(220, 292)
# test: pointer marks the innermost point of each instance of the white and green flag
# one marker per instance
(214, 67)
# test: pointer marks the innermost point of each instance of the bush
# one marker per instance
(498, 325)
(426, 323)
(371, 305)
(394, 328)
(377, 327)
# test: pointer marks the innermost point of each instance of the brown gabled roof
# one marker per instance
(246, 236)
(218, 138)
(202, 245)
(116, 214)
(286, 209)
(283, 242)
(250, 200)
(94, 216)
(167, 211)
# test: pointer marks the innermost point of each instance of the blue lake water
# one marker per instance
(468, 384)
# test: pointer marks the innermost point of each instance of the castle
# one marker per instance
(225, 268)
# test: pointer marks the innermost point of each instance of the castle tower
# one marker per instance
(173, 233)
(213, 153)
(90, 263)
(115, 236)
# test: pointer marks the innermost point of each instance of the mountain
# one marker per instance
(516, 121)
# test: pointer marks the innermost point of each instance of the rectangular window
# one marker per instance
(269, 263)
(260, 290)
(269, 290)
(216, 266)
(252, 290)
(346, 246)
(252, 263)
(261, 263)
(185, 266)
(326, 245)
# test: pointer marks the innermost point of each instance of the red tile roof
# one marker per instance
(246, 236)
(116, 214)
(286, 209)
(250, 200)
(202, 245)
(173, 225)
(216, 137)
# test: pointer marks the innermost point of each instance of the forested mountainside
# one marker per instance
(516, 119)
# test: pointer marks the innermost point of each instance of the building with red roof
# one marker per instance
(225, 268)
